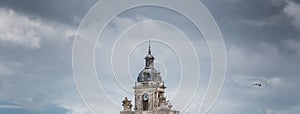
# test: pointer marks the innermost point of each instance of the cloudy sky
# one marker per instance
(262, 39)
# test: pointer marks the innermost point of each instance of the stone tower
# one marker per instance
(149, 92)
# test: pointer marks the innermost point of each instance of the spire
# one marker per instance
(149, 49)
(149, 58)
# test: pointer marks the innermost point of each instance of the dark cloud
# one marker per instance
(261, 37)
(248, 22)
(65, 11)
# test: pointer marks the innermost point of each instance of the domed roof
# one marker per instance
(149, 74)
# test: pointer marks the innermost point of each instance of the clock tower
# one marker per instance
(148, 92)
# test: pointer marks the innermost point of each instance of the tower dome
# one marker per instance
(149, 73)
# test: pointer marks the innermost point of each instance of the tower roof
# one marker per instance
(149, 73)
(149, 55)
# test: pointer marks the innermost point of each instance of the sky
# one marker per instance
(262, 39)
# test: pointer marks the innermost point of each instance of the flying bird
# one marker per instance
(257, 84)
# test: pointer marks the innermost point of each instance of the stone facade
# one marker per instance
(149, 92)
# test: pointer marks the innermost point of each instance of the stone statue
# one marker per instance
(127, 104)
(162, 99)
(169, 104)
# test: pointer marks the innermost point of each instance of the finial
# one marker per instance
(149, 50)
(163, 85)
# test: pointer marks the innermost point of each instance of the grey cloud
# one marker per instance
(261, 38)
(238, 21)
(277, 74)
(64, 11)
(292, 9)
(37, 77)
(17, 29)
